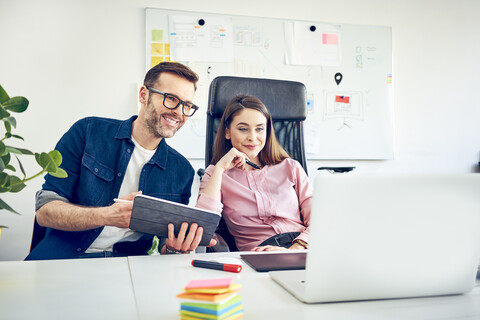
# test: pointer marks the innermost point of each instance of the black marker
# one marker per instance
(252, 164)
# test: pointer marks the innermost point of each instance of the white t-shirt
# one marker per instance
(111, 235)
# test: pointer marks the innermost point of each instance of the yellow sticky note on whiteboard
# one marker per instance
(156, 60)
(158, 49)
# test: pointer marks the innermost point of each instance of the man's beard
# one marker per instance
(154, 124)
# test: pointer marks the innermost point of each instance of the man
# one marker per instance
(107, 159)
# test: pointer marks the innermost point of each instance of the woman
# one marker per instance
(264, 209)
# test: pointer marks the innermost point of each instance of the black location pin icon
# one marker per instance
(338, 78)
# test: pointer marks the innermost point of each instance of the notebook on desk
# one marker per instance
(389, 236)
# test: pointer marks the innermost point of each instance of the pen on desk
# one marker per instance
(217, 265)
(252, 164)
(122, 200)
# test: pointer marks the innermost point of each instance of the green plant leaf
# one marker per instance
(56, 157)
(18, 150)
(8, 126)
(12, 121)
(17, 136)
(3, 95)
(4, 189)
(4, 113)
(21, 167)
(6, 158)
(17, 184)
(46, 162)
(60, 173)
(2, 165)
(4, 205)
(10, 167)
(4, 179)
(16, 104)
(2, 148)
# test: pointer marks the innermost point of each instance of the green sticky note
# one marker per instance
(157, 35)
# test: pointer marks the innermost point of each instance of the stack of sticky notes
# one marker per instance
(215, 299)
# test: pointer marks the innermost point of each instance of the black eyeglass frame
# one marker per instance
(180, 101)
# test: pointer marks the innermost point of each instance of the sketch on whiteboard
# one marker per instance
(200, 40)
(247, 35)
(344, 106)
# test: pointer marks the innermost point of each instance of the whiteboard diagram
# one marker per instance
(348, 116)
(343, 106)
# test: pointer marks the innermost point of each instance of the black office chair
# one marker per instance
(37, 235)
(287, 103)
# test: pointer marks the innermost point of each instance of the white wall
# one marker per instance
(78, 58)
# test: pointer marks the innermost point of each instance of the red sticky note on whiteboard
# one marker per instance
(342, 99)
(209, 283)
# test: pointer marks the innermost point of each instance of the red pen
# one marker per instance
(217, 265)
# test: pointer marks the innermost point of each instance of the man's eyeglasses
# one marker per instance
(171, 101)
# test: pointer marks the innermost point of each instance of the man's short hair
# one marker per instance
(172, 67)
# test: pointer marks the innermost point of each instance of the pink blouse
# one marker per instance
(258, 204)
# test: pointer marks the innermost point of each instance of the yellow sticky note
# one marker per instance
(233, 287)
(167, 49)
(156, 60)
(157, 35)
(157, 49)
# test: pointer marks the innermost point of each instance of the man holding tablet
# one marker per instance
(107, 159)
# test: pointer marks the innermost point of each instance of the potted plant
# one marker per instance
(10, 179)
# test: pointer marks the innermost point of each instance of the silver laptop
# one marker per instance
(389, 236)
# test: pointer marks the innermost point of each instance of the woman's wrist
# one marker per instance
(299, 244)
(218, 168)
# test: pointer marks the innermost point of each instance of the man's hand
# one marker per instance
(120, 212)
(183, 243)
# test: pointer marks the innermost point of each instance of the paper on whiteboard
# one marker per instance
(190, 41)
(320, 47)
(311, 138)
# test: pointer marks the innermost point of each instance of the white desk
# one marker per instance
(145, 288)
(67, 289)
(158, 279)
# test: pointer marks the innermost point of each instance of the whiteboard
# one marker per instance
(351, 119)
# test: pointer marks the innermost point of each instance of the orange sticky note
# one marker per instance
(209, 283)
(205, 297)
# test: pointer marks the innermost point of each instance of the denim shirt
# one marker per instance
(95, 153)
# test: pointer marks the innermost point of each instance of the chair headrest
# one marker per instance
(286, 100)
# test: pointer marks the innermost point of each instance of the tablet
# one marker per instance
(264, 262)
(152, 215)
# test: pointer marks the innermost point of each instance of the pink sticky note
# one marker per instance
(330, 38)
(209, 283)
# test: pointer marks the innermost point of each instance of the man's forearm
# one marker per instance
(69, 217)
